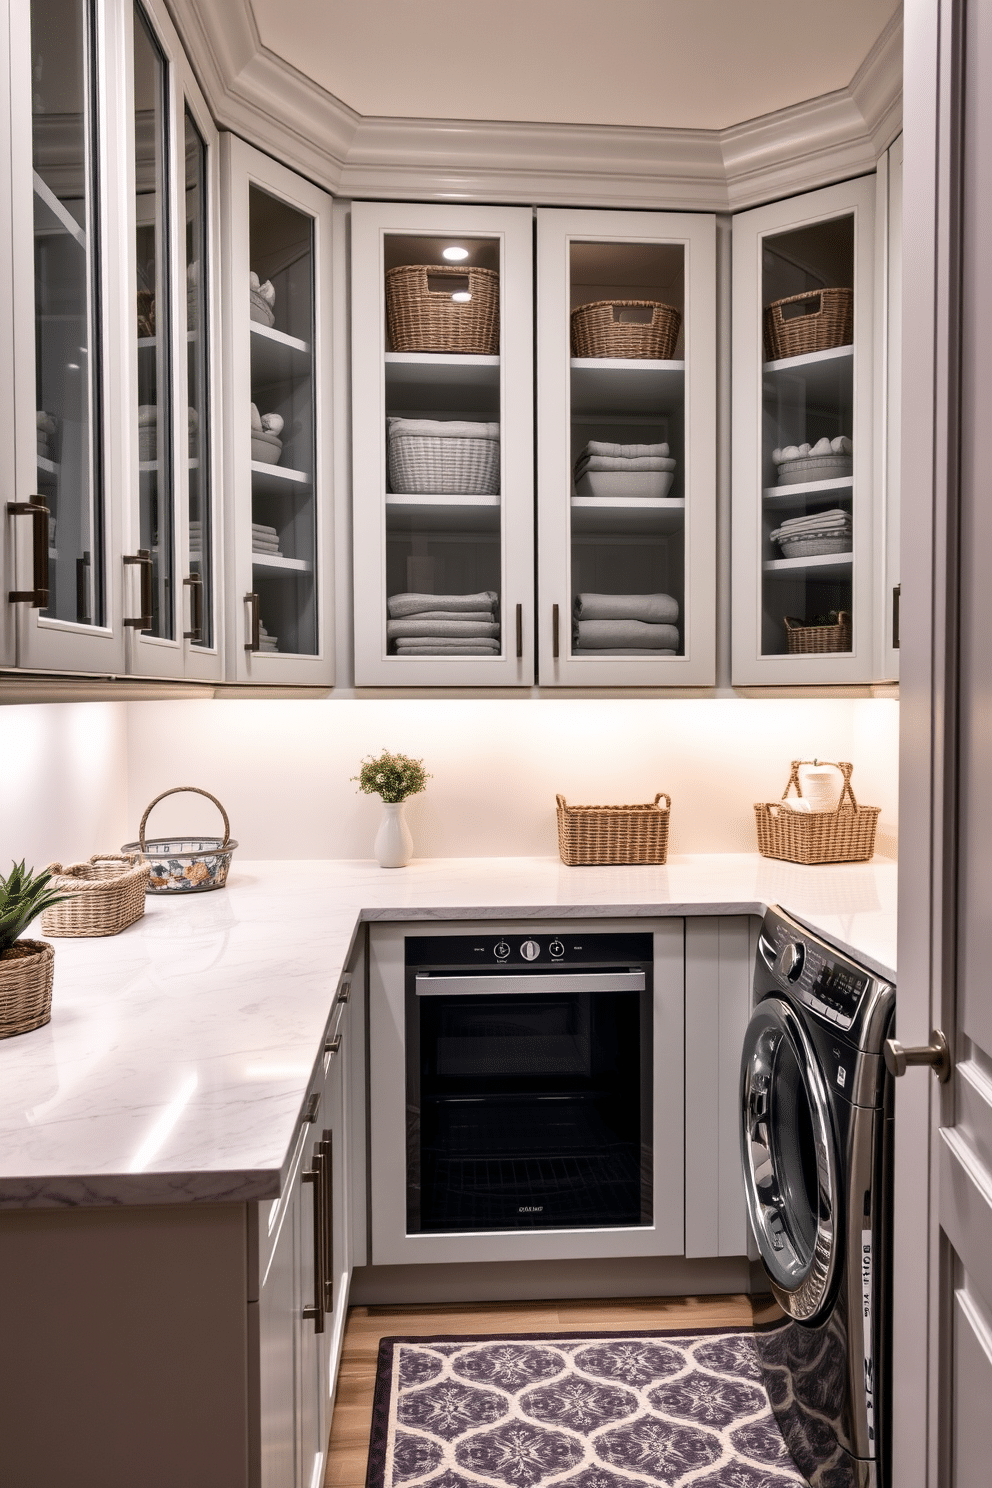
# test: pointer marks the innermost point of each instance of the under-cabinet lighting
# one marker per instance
(461, 296)
(454, 255)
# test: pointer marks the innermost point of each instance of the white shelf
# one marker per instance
(605, 514)
(442, 513)
(275, 356)
(278, 564)
(435, 369)
(801, 491)
(60, 212)
(624, 385)
(276, 480)
(824, 374)
(823, 567)
(47, 467)
(146, 467)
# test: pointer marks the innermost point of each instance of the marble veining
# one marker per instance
(180, 1052)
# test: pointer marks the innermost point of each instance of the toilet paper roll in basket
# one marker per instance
(821, 784)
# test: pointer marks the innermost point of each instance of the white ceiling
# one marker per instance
(689, 64)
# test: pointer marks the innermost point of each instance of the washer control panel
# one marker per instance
(831, 987)
(537, 950)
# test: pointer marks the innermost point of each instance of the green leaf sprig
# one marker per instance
(23, 896)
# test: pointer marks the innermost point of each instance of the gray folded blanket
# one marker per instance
(438, 648)
(605, 635)
(432, 628)
(467, 615)
(639, 651)
(419, 604)
(659, 609)
(617, 462)
(624, 451)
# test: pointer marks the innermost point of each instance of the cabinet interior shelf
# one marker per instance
(442, 513)
(276, 355)
(47, 467)
(801, 491)
(614, 386)
(436, 369)
(59, 211)
(277, 563)
(823, 373)
(276, 480)
(824, 566)
(657, 515)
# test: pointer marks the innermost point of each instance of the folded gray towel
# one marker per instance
(620, 462)
(484, 615)
(417, 604)
(658, 609)
(432, 628)
(442, 429)
(641, 652)
(624, 451)
(436, 648)
(404, 643)
(605, 635)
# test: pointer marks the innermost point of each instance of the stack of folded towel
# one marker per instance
(264, 539)
(819, 533)
(262, 299)
(266, 642)
(444, 624)
(605, 469)
(148, 432)
(195, 538)
(626, 624)
(46, 435)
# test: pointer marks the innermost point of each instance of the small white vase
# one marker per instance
(393, 843)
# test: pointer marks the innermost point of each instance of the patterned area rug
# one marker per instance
(596, 1410)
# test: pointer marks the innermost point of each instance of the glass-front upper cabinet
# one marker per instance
(442, 446)
(277, 237)
(807, 498)
(626, 355)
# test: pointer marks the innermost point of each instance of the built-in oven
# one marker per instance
(518, 1073)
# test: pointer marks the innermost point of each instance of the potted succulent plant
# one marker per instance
(26, 966)
(393, 777)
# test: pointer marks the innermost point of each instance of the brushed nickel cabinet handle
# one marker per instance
(333, 1044)
(254, 641)
(936, 1054)
(327, 1174)
(35, 508)
(314, 1313)
(194, 584)
(143, 559)
(554, 631)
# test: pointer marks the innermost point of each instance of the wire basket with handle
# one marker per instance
(185, 865)
(614, 834)
(843, 835)
(104, 896)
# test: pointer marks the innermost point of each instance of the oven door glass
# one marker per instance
(529, 1110)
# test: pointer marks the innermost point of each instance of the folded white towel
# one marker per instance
(658, 609)
(442, 428)
(619, 463)
(147, 414)
(833, 518)
(624, 451)
(415, 604)
(263, 530)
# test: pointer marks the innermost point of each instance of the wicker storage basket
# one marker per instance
(613, 834)
(822, 318)
(815, 468)
(185, 865)
(26, 986)
(620, 328)
(422, 316)
(845, 835)
(105, 895)
(812, 640)
(427, 464)
(815, 544)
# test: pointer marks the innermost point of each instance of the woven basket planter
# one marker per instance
(613, 834)
(26, 972)
(639, 329)
(812, 640)
(845, 835)
(422, 316)
(804, 323)
(422, 464)
(105, 895)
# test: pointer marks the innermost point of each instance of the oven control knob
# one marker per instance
(556, 948)
(501, 950)
(791, 961)
(530, 950)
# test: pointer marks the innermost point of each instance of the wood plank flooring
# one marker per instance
(348, 1448)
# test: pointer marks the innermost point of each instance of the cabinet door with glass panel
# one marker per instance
(277, 252)
(807, 579)
(626, 356)
(172, 613)
(442, 447)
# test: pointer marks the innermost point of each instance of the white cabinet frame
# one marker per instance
(371, 223)
(556, 231)
(852, 198)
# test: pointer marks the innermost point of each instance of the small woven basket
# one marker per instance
(815, 544)
(815, 468)
(812, 640)
(26, 987)
(105, 895)
(422, 316)
(184, 865)
(809, 322)
(422, 465)
(645, 329)
(613, 834)
(845, 835)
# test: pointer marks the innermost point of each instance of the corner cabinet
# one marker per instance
(626, 396)
(279, 491)
(808, 500)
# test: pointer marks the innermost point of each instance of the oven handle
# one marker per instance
(552, 981)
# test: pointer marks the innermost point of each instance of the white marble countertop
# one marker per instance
(178, 1055)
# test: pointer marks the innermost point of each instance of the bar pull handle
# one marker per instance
(36, 509)
(327, 1175)
(194, 584)
(143, 559)
(896, 602)
(554, 631)
(936, 1055)
(314, 1313)
(344, 991)
(333, 1044)
(254, 636)
(520, 631)
(311, 1108)
(83, 590)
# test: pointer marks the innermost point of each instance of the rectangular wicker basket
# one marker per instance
(105, 895)
(425, 464)
(828, 321)
(817, 640)
(845, 835)
(422, 316)
(640, 329)
(613, 834)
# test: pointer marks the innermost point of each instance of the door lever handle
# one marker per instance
(936, 1054)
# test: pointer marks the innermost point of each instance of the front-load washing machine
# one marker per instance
(816, 1148)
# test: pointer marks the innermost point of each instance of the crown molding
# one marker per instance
(273, 106)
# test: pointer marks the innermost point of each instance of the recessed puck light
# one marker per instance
(454, 255)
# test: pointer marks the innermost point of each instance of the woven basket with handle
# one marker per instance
(105, 895)
(422, 316)
(614, 834)
(26, 973)
(844, 835)
(814, 321)
(643, 329)
(811, 640)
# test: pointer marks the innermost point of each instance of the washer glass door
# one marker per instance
(789, 1157)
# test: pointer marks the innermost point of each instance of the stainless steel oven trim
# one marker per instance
(562, 981)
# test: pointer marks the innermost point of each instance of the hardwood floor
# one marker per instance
(348, 1448)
